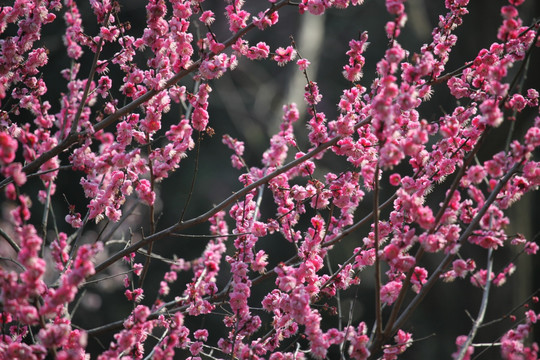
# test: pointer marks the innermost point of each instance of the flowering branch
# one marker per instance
(481, 312)
(271, 276)
(435, 276)
(222, 205)
(75, 137)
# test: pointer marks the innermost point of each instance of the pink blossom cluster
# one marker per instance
(380, 198)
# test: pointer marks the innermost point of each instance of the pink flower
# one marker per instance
(395, 7)
(196, 347)
(531, 248)
(260, 263)
(237, 18)
(303, 64)
(207, 17)
(60, 251)
(390, 292)
(424, 217)
(532, 138)
(74, 220)
(54, 335)
(201, 334)
(479, 278)
(492, 115)
(145, 192)
(486, 241)
(259, 51)
(283, 56)
(395, 179)
(259, 229)
(263, 21)
(419, 278)
(8, 147)
(286, 281)
(460, 340)
(15, 171)
(461, 267)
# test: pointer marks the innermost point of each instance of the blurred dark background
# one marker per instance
(246, 103)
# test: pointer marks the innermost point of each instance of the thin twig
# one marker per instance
(151, 216)
(13, 261)
(378, 305)
(482, 312)
(115, 226)
(10, 241)
(106, 278)
(151, 353)
(45, 217)
(505, 316)
(86, 92)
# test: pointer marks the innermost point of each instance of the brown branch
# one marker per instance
(228, 201)
(453, 188)
(448, 259)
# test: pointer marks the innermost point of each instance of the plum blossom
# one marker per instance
(284, 55)
(296, 237)
(390, 291)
